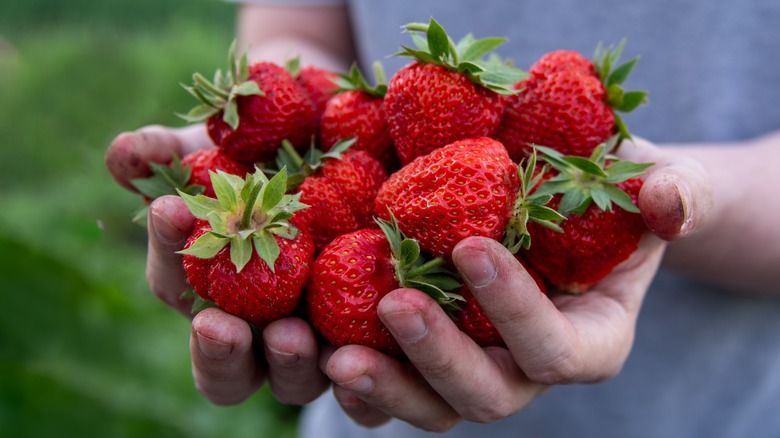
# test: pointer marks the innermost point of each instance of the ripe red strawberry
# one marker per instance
(244, 254)
(447, 94)
(560, 60)
(466, 188)
(319, 83)
(567, 105)
(339, 187)
(471, 319)
(189, 175)
(250, 110)
(358, 112)
(202, 161)
(595, 237)
(355, 271)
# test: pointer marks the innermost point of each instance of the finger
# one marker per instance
(170, 224)
(551, 347)
(358, 410)
(387, 386)
(223, 362)
(676, 197)
(471, 381)
(291, 351)
(129, 153)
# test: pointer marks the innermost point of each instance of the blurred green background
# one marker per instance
(85, 349)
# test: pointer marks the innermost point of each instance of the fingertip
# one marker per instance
(223, 331)
(170, 222)
(123, 161)
(665, 205)
(476, 261)
(223, 363)
(676, 200)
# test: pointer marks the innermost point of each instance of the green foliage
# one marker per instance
(85, 348)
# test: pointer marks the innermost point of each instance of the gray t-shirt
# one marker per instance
(705, 362)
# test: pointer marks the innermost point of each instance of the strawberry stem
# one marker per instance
(246, 217)
(425, 267)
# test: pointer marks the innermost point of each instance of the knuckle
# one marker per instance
(491, 409)
(561, 369)
(440, 369)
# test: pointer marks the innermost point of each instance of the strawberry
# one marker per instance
(447, 93)
(596, 236)
(250, 110)
(319, 83)
(202, 161)
(189, 175)
(560, 60)
(338, 186)
(358, 111)
(467, 188)
(569, 104)
(244, 254)
(472, 320)
(355, 271)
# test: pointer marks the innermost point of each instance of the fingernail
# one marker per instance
(213, 349)
(164, 231)
(360, 385)
(408, 326)
(477, 268)
(283, 358)
(685, 205)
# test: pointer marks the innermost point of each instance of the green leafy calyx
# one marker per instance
(467, 56)
(299, 167)
(220, 94)
(356, 81)
(166, 179)
(246, 216)
(612, 76)
(530, 205)
(583, 181)
(414, 271)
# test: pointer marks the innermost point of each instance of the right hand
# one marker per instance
(228, 365)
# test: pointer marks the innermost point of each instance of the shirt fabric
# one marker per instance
(705, 362)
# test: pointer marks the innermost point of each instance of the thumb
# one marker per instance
(676, 197)
(129, 154)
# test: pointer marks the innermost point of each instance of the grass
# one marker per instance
(85, 349)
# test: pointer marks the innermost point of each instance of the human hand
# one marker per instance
(556, 340)
(228, 365)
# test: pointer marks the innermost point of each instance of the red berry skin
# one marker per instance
(340, 196)
(204, 160)
(256, 294)
(319, 84)
(563, 109)
(355, 114)
(466, 188)
(429, 106)
(285, 111)
(590, 245)
(348, 279)
(560, 60)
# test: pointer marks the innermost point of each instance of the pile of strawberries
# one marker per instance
(326, 192)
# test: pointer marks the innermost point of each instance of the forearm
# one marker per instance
(739, 247)
(319, 35)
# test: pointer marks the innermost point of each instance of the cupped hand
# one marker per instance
(551, 340)
(228, 363)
